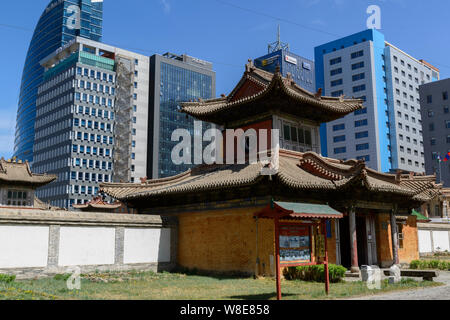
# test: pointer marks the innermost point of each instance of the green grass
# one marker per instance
(176, 286)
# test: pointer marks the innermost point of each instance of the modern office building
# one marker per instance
(301, 69)
(57, 25)
(387, 133)
(279, 55)
(91, 120)
(174, 79)
(435, 107)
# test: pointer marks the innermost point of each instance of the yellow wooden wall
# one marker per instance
(225, 241)
(410, 250)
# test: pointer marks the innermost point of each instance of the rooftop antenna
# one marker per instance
(278, 45)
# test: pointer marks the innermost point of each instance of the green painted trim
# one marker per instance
(308, 208)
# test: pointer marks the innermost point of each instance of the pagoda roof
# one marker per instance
(98, 203)
(260, 92)
(18, 172)
(297, 172)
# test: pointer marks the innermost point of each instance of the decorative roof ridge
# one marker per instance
(322, 164)
(325, 98)
(168, 179)
(318, 99)
(210, 186)
(387, 176)
(195, 103)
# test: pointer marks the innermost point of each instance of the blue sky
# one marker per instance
(227, 33)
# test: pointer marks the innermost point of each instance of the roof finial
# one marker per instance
(318, 94)
(249, 65)
(277, 69)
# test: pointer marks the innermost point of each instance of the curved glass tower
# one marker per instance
(60, 23)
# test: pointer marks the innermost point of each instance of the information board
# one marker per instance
(295, 244)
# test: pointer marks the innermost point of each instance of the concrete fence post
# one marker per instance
(120, 245)
(53, 248)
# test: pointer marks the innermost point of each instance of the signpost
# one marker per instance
(293, 246)
(294, 225)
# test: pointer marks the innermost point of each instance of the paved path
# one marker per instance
(436, 293)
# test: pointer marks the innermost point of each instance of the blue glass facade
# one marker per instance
(178, 85)
(301, 69)
(52, 31)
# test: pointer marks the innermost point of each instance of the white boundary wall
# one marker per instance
(433, 237)
(36, 242)
(23, 246)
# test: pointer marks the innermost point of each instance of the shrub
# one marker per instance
(315, 273)
(63, 277)
(434, 264)
(6, 278)
(429, 264)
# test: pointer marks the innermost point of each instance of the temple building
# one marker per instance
(18, 185)
(368, 214)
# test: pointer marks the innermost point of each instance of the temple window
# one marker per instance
(17, 198)
(400, 234)
(298, 137)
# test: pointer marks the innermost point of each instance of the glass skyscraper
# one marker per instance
(174, 79)
(59, 24)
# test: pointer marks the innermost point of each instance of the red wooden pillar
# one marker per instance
(325, 262)
(394, 236)
(353, 240)
(277, 257)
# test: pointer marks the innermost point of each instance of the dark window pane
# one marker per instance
(287, 133)
(294, 134)
(301, 136)
(308, 136)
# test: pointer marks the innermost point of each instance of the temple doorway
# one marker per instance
(365, 237)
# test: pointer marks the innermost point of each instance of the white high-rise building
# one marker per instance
(387, 133)
(91, 120)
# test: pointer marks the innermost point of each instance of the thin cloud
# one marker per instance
(166, 6)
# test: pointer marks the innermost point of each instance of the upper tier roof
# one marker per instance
(19, 173)
(260, 92)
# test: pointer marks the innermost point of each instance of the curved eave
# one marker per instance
(277, 95)
(33, 183)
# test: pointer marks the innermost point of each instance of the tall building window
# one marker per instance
(358, 65)
(335, 71)
(361, 123)
(340, 150)
(336, 82)
(360, 111)
(360, 135)
(357, 54)
(335, 60)
(359, 76)
(338, 127)
(429, 99)
(365, 158)
(363, 146)
(339, 138)
(337, 93)
(359, 88)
